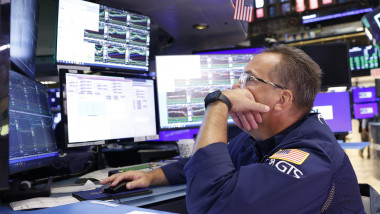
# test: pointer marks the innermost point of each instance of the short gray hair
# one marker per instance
(297, 72)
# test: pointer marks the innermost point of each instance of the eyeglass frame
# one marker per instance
(244, 76)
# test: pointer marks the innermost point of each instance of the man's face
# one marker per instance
(264, 93)
(259, 67)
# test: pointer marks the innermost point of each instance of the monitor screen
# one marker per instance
(94, 35)
(364, 95)
(365, 110)
(103, 108)
(24, 15)
(31, 138)
(371, 22)
(4, 95)
(363, 58)
(183, 81)
(335, 109)
(333, 58)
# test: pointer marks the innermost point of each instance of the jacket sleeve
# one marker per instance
(276, 186)
(174, 171)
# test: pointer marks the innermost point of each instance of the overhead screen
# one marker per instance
(363, 59)
(95, 35)
(106, 107)
(23, 39)
(333, 58)
(31, 138)
(183, 81)
(371, 22)
(335, 109)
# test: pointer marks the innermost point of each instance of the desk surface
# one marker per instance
(160, 194)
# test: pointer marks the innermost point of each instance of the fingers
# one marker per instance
(236, 119)
(251, 120)
(243, 120)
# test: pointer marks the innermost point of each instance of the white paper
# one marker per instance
(42, 202)
(69, 189)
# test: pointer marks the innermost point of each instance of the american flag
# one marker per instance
(292, 155)
(244, 10)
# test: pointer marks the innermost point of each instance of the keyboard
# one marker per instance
(145, 167)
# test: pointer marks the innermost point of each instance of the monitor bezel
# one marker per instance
(106, 68)
(62, 86)
(40, 162)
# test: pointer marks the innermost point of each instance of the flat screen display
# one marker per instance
(365, 110)
(95, 35)
(333, 58)
(364, 57)
(183, 81)
(31, 138)
(335, 109)
(24, 16)
(106, 107)
(371, 22)
(364, 95)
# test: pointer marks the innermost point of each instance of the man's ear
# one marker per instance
(285, 101)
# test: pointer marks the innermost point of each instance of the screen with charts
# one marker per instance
(94, 35)
(365, 110)
(23, 38)
(364, 95)
(107, 107)
(31, 138)
(183, 81)
(335, 109)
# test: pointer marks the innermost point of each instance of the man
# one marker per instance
(287, 161)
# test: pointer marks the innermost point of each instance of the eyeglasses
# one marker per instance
(245, 77)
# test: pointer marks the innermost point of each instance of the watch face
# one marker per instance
(213, 95)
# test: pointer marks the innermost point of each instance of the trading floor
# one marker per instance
(363, 166)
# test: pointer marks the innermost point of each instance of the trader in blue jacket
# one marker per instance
(286, 160)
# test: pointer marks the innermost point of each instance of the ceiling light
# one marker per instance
(201, 26)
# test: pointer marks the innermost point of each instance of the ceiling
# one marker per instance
(177, 17)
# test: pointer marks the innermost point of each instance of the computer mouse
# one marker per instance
(120, 187)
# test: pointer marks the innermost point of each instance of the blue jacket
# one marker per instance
(301, 170)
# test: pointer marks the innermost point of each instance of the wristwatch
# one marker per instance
(217, 95)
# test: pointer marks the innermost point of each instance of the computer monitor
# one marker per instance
(365, 110)
(363, 58)
(335, 109)
(4, 96)
(333, 58)
(31, 138)
(103, 37)
(183, 81)
(101, 108)
(371, 22)
(364, 95)
(23, 40)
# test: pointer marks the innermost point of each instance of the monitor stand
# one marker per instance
(98, 157)
(22, 190)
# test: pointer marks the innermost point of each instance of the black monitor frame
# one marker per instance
(97, 67)
(35, 122)
(4, 97)
(323, 55)
(62, 83)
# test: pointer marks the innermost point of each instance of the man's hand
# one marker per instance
(139, 179)
(245, 110)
